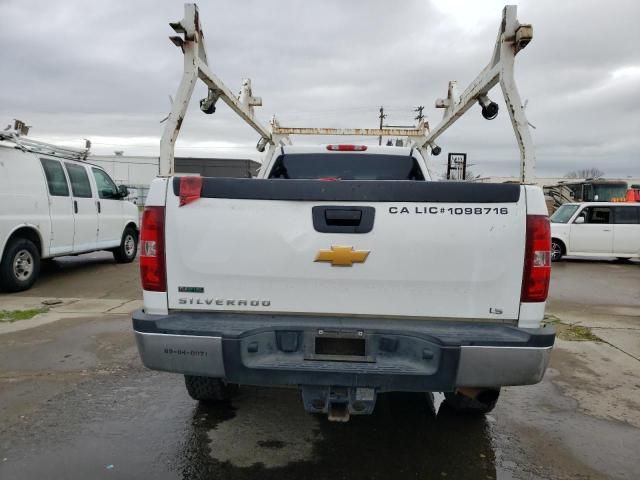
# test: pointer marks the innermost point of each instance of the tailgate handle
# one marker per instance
(343, 219)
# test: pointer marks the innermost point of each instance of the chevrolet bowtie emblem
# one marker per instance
(342, 256)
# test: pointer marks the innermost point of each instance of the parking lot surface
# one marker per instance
(76, 403)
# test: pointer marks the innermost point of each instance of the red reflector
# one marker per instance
(152, 265)
(346, 148)
(190, 189)
(537, 260)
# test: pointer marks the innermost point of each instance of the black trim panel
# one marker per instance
(444, 332)
(356, 191)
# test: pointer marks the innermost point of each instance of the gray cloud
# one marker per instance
(104, 70)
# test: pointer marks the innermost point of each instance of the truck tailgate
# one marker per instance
(433, 249)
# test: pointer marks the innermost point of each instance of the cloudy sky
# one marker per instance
(105, 70)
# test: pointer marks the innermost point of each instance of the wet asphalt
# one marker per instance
(142, 425)
(75, 403)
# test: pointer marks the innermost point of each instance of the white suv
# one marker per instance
(596, 229)
(51, 206)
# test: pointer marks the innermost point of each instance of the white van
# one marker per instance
(52, 206)
(596, 229)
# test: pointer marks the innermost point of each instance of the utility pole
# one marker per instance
(382, 117)
(420, 116)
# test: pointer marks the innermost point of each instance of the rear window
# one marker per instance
(346, 166)
(627, 215)
(56, 180)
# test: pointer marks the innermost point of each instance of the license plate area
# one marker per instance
(339, 346)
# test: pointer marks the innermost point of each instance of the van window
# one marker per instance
(597, 214)
(79, 180)
(56, 180)
(106, 187)
(627, 215)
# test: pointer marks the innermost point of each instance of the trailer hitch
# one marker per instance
(339, 403)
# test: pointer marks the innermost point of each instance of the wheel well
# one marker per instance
(563, 247)
(29, 233)
(133, 225)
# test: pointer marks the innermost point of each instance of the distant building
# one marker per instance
(128, 169)
(542, 181)
(137, 172)
(217, 167)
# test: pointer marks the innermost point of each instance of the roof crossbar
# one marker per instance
(360, 132)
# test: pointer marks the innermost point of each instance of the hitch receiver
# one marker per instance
(339, 403)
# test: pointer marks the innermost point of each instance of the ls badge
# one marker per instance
(342, 256)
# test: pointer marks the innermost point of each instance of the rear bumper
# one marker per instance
(398, 355)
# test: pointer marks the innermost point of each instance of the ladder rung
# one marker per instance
(374, 132)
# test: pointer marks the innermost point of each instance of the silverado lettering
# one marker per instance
(221, 302)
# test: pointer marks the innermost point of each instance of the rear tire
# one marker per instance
(481, 404)
(128, 248)
(20, 265)
(208, 389)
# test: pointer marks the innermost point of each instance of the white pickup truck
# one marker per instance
(345, 271)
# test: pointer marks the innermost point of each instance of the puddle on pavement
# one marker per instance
(265, 433)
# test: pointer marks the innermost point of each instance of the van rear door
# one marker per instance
(60, 207)
(626, 230)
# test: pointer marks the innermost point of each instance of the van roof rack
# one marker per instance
(16, 136)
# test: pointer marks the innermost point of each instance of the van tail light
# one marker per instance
(190, 189)
(152, 265)
(346, 148)
(537, 260)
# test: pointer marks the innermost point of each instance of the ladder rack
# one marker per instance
(512, 38)
(36, 146)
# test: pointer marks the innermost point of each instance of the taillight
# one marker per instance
(537, 260)
(190, 189)
(346, 148)
(152, 265)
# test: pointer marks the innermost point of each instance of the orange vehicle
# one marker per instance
(632, 195)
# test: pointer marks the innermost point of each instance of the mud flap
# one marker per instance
(338, 402)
